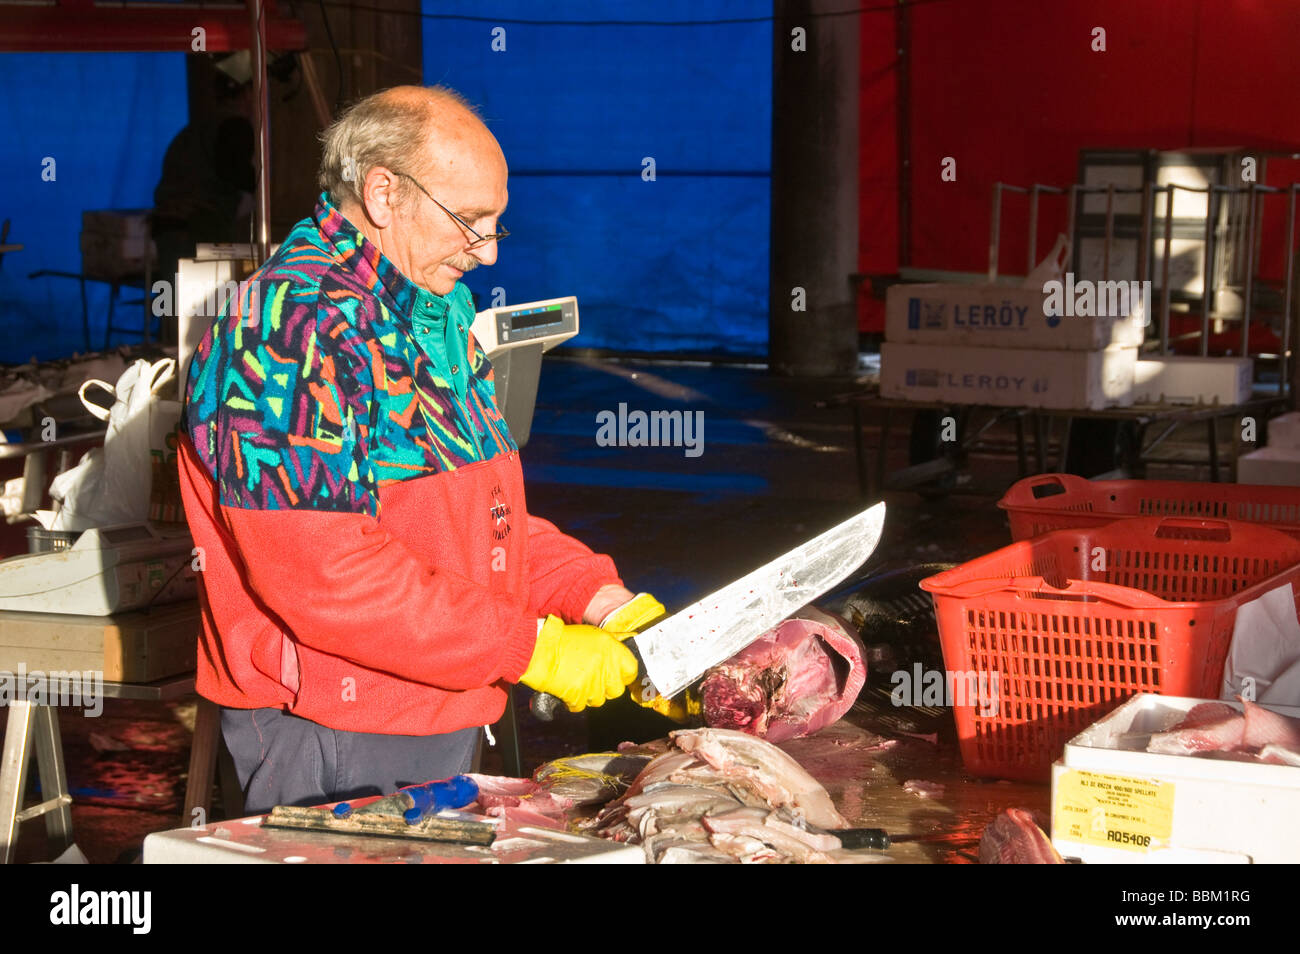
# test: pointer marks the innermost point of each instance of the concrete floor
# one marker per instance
(775, 469)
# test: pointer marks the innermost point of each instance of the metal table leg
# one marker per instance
(1040, 443)
(860, 452)
(1212, 429)
(882, 453)
(1022, 454)
(203, 763)
(54, 777)
(13, 775)
(31, 725)
(1063, 454)
(508, 738)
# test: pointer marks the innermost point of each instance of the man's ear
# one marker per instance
(381, 194)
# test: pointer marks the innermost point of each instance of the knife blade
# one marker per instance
(680, 648)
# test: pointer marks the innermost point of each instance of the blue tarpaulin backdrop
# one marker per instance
(105, 119)
(679, 263)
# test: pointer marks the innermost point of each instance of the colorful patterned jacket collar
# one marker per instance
(399, 293)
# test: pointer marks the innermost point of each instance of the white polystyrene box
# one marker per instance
(1279, 466)
(999, 316)
(1108, 790)
(1008, 377)
(1284, 431)
(1186, 379)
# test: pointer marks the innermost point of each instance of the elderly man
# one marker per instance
(372, 580)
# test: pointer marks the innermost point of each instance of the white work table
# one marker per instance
(246, 841)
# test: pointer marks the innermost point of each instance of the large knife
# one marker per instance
(680, 648)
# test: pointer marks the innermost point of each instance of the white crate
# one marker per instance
(1278, 466)
(1184, 379)
(1193, 809)
(1284, 431)
(1008, 377)
(997, 316)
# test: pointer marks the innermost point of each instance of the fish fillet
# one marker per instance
(768, 826)
(1218, 731)
(1208, 727)
(724, 796)
(1014, 838)
(1264, 727)
(764, 768)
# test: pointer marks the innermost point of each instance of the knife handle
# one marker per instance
(853, 839)
(544, 706)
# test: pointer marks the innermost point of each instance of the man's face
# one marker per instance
(428, 245)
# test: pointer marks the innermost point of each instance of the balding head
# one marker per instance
(385, 144)
(431, 133)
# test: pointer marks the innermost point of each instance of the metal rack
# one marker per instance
(1254, 194)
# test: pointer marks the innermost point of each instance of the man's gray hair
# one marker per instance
(380, 130)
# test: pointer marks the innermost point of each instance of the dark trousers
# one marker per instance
(282, 759)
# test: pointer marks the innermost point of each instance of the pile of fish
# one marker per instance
(1218, 730)
(799, 677)
(557, 789)
(719, 796)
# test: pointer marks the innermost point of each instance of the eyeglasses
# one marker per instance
(479, 240)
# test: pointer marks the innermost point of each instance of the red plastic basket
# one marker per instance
(1065, 502)
(1073, 622)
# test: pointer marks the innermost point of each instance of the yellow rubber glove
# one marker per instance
(631, 618)
(634, 615)
(581, 665)
(681, 708)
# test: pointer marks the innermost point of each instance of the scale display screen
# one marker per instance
(536, 318)
(546, 322)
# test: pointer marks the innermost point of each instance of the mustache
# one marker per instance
(464, 263)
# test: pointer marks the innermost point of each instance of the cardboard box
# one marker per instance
(129, 647)
(107, 256)
(119, 223)
(1279, 466)
(1008, 377)
(999, 316)
(1114, 802)
(1284, 431)
(1184, 379)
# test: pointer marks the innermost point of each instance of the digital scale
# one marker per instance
(106, 570)
(515, 337)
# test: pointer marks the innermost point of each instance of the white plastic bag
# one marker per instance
(1053, 265)
(111, 484)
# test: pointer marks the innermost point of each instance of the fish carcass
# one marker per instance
(1016, 838)
(795, 679)
(722, 797)
(556, 790)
